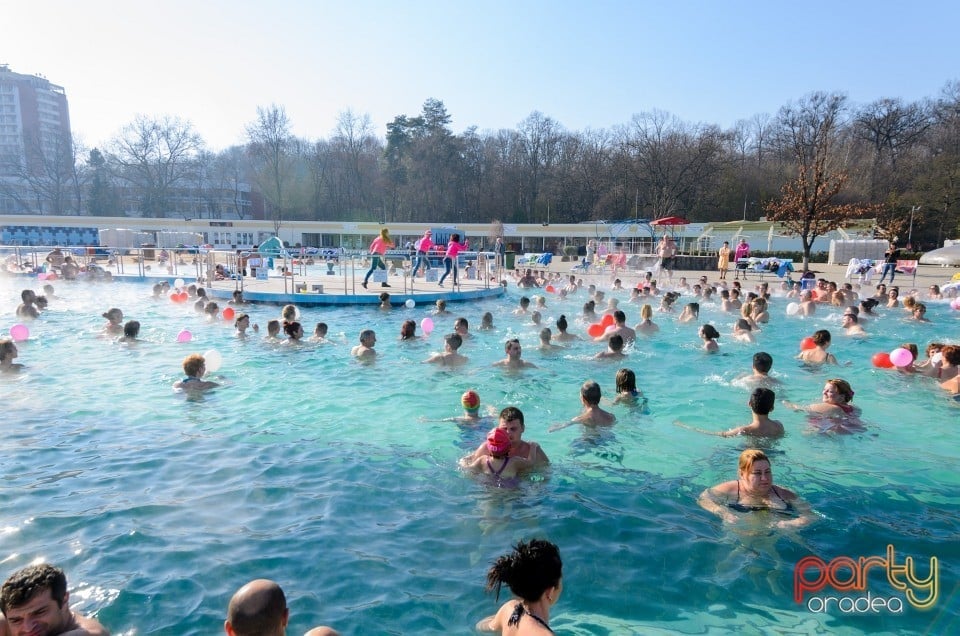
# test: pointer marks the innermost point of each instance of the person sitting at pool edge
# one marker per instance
(259, 608)
(754, 491)
(511, 420)
(194, 366)
(35, 601)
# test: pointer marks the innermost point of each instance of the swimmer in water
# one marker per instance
(511, 420)
(501, 468)
(470, 401)
(614, 349)
(513, 360)
(533, 572)
(9, 353)
(627, 391)
(114, 326)
(818, 354)
(709, 334)
(592, 415)
(835, 405)
(761, 404)
(449, 357)
(194, 368)
(754, 491)
(365, 350)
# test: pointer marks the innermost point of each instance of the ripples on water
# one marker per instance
(339, 481)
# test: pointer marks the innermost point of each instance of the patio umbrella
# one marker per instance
(943, 256)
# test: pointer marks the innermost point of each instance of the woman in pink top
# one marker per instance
(454, 247)
(423, 249)
(378, 248)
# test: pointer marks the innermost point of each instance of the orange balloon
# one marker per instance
(807, 343)
(607, 320)
(595, 330)
(551, 289)
(228, 313)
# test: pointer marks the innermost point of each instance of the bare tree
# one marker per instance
(154, 155)
(273, 149)
(806, 205)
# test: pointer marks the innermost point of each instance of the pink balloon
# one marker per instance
(184, 336)
(955, 304)
(19, 333)
(901, 357)
(42, 276)
(426, 325)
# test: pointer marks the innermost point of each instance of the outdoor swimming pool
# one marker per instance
(337, 480)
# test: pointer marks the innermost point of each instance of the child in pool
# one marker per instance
(627, 392)
(499, 465)
(709, 334)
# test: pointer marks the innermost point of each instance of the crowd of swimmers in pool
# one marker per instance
(532, 570)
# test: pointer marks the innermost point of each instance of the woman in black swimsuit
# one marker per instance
(533, 573)
(753, 491)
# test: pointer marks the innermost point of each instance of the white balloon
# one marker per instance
(411, 303)
(793, 309)
(213, 360)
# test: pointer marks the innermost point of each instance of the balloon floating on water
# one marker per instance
(901, 357)
(410, 303)
(184, 336)
(426, 325)
(19, 333)
(229, 313)
(807, 343)
(882, 360)
(212, 360)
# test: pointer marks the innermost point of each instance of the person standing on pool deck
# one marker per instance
(422, 246)
(259, 608)
(742, 251)
(454, 247)
(890, 262)
(723, 259)
(35, 602)
(511, 420)
(378, 248)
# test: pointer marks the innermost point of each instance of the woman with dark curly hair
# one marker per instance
(533, 572)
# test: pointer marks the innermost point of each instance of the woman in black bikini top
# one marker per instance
(753, 491)
(533, 572)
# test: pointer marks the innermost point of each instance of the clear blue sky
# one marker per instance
(590, 64)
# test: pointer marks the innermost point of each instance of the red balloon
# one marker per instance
(183, 297)
(813, 294)
(807, 343)
(595, 330)
(607, 320)
(228, 313)
(174, 297)
(882, 360)
(550, 289)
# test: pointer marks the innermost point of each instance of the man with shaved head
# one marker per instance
(259, 608)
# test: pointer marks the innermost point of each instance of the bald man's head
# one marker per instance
(259, 608)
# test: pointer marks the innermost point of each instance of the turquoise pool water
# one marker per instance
(339, 481)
